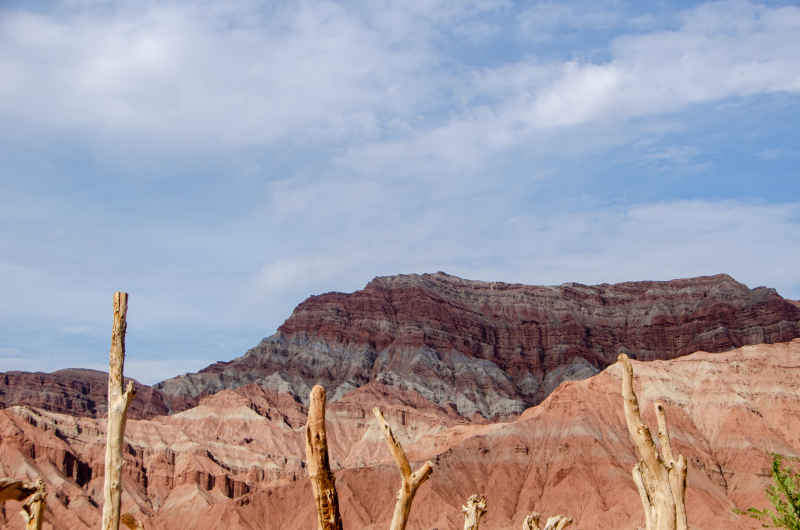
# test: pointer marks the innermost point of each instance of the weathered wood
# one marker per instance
(557, 522)
(473, 511)
(531, 521)
(411, 481)
(33, 508)
(660, 479)
(118, 402)
(319, 471)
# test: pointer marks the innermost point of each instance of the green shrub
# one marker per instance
(784, 495)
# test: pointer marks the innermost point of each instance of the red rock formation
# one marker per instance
(73, 391)
(492, 348)
(235, 461)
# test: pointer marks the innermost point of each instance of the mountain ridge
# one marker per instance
(483, 349)
(515, 343)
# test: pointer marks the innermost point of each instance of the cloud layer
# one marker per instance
(222, 161)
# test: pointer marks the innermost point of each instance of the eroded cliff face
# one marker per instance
(75, 391)
(490, 348)
(235, 460)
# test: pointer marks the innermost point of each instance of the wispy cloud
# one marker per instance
(223, 160)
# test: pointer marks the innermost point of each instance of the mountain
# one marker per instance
(74, 391)
(236, 460)
(491, 349)
(482, 349)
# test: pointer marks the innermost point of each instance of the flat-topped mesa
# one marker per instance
(492, 348)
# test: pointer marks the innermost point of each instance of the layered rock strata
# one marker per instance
(491, 348)
(74, 391)
(235, 460)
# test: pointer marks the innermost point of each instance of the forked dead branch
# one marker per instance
(411, 481)
(659, 478)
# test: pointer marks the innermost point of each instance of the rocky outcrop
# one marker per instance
(491, 348)
(235, 460)
(73, 391)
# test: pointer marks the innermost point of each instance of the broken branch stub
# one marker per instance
(319, 471)
(660, 479)
(33, 508)
(473, 511)
(557, 522)
(411, 481)
(118, 402)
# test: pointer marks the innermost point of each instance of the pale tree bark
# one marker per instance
(473, 511)
(118, 401)
(33, 508)
(319, 471)
(411, 481)
(660, 478)
(557, 522)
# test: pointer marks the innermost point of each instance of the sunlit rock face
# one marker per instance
(236, 459)
(490, 348)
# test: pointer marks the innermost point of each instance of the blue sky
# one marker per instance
(221, 161)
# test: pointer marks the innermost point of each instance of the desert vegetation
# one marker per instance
(784, 495)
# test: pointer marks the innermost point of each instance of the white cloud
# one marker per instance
(394, 151)
(168, 77)
(185, 76)
(748, 49)
(755, 243)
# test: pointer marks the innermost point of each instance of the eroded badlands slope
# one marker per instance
(235, 461)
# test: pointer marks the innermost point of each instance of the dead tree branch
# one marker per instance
(319, 471)
(660, 479)
(118, 401)
(473, 511)
(411, 481)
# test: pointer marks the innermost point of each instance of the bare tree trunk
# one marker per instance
(118, 402)
(33, 508)
(557, 522)
(473, 511)
(411, 481)
(319, 471)
(660, 479)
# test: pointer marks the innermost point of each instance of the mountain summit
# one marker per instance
(491, 349)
